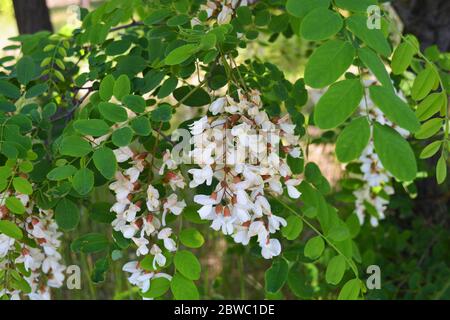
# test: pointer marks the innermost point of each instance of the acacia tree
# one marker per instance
(87, 122)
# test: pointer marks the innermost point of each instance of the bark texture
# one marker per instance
(32, 16)
(427, 19)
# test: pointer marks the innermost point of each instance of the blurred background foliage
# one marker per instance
(411, 246)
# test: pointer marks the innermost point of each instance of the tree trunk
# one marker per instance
(426, 19)
(32, 16)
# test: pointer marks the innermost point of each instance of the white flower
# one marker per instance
(201, 176)
(275, 222)
(141, 243)
(152, 198)
(133, 173)
(5, 244)
(173, 205)
(123, 154)
(224, 15)
(223, 223)
(169, 243)
(242, 235)
(258, 228)
(138, 277)
(218, 105)
(199, 126)
(167, 162)
(129, 230)
(271, 248)
(291, 188)
(159, 258)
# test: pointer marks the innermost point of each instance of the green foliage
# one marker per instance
(352, 140)
(338, 103)
(133, 73)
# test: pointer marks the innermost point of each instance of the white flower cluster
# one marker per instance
(141, 221)
(376, 178)
(43, 262)
(222, 10)
(238, 146)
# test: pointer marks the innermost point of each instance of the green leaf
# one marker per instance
(338, 232)
(353, 140)
(105, 162)
(402, 58)
(300, 8)
(423, 83)
(158, 287)
(26, 70)
(167, 87)
(183, 289)
(178, 20)
(162, 113)
(141, 126)
(338, 103)
(106, 87)
(320, 24)
(187, 264)
(61, 173)
(117, 47)
(314, 248)
(394, 108)
(191, 238)
(181, 54)
(10, 229)
(276, 276)
(157, 16)
(22, 185)
(441, 170)
(356, 6)
(429, 128)
(335, 270)
(100, 212)
(121, 87)
(394, 152)
(350, 290)
(90, 243)
(430, 150)
(36, 90)
(197, 98)
(15, 205)
(49, 110)
(83, 181)
(372, 61)
(67, 215)
(328, 63)
(244, 15)
(293, 228)
(112, 112)
(100, 268)
(122, 137)
(74, 146)
(91, 127)
(9, 90)
(134, 103)
(374, 38)
(429, 106)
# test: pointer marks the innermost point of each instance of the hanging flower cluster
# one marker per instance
(377, 186)
(222, 10)
(141, 212)
(236, 150)
(40, 257)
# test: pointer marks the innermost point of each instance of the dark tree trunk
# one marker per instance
(32, 16)
(427, 19)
